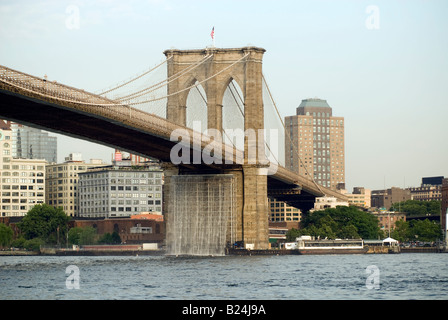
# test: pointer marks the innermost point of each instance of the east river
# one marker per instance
(420, 276)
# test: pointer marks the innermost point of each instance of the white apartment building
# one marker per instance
(323, 203)
(22, 183)
(120, 191)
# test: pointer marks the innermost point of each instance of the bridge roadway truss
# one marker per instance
(76, 113)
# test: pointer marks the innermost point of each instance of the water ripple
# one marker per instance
(404, 276)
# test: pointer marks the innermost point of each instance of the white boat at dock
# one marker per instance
(309, 245)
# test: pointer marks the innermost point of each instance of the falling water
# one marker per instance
(201, 215)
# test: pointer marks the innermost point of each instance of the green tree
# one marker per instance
(33, 244)
(292, 234)
(341, 222)
(349, 232)
(401, 231)
(116, 237)
(425, 230)
(418, 208)
(108, 238)
(73, 235)
(19, 242)
(82, 236)
(6, 234)
(422, 230)
(87, 236)
(44, 222)
(326, 231)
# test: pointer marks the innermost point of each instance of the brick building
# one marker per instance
(385, 198)
(131, 231)
(430, 189)
(387, 220)
(316, 147)
(444, 203)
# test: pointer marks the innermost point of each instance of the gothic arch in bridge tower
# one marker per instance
(195, 105)
(215, 69)
(231, 77)
(232, 102)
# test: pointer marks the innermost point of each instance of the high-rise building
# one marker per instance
(62, 182)
(120, 191)
(314, 143)
(32, 143)
(22, 183)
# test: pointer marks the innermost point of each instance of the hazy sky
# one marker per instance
(383, 65)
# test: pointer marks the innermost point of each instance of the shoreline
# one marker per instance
(229, 252)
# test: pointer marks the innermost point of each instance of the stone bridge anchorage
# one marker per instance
(208, 203)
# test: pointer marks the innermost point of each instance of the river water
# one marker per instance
(350, 277)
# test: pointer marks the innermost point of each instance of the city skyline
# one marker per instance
(380, 65)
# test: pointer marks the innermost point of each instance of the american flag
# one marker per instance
(213, 33)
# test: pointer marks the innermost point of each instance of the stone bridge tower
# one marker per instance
(244, 66)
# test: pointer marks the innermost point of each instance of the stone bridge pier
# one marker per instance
(231, 202)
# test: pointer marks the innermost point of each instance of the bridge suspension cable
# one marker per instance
(192, 86)
(288, 136)
(136, 78)
(238, 102)
(164, 82)
(232, 118)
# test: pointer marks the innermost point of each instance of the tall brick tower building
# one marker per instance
(316, 147)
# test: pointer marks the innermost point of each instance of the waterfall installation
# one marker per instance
(201, 216)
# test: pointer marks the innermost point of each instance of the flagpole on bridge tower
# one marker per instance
(212, 34)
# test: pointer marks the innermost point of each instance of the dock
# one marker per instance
(267, 252)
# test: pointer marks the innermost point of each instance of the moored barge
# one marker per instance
(305, 245)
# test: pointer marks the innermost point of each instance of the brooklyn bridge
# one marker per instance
(153, 114)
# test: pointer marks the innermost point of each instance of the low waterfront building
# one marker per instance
(387, 219)
(120, 191)
(278, 231)
(130, 230)
(157, 216)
